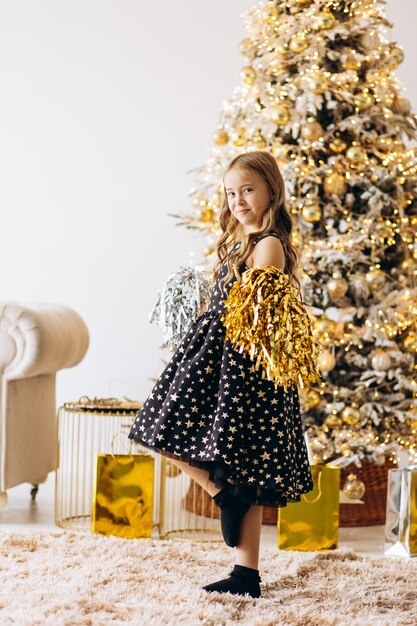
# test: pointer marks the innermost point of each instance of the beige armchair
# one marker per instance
(36, 341)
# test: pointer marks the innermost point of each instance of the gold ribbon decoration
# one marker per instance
(265, 319)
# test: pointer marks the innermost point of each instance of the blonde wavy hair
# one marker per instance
(276, 218)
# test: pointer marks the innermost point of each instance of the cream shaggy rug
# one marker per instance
(69, 578)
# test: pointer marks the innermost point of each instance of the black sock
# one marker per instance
(241, 580)
(232, 509)
(245, 570)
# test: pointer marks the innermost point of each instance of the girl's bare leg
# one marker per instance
(200, 476)
(247, 549)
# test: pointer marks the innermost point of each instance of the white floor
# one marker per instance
(21, 513)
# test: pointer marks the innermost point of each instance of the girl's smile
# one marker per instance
(248, 196)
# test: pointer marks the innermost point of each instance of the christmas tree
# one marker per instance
(318, 91)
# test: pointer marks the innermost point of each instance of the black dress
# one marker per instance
(212, 409)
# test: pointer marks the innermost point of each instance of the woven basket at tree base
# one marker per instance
(375, 478)
(371, 512)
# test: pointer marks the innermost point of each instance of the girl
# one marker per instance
(212, 412)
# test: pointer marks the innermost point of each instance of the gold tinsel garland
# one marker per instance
(265, 319)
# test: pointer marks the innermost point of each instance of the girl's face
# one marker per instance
(248, 196)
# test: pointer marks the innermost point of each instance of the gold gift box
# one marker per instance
(313, 523)
(123, 495)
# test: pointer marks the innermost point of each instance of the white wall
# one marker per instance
(403, 15)
(105, 106)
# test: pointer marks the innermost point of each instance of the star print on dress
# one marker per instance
(210, 408)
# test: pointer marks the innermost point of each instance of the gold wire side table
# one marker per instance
(100, 426)
(87, 428)
(180, 504)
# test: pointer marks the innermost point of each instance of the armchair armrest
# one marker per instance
(39, 338)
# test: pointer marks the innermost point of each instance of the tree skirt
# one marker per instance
(65, 577)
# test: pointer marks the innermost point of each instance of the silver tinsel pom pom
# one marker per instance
(184, 296)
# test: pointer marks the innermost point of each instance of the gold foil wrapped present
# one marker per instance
(123, 495)
(401, 520)
(313, 523)
(265, 319)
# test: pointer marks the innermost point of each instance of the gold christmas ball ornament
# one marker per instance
(354, 488)
(221, 137)
(350, 415)
(401, 105)
(239, 136)
(270, 13)
(324, 21)
(370, 40)
(410, 342)
(356, 154)
(311, 398)
(384, 143)
(351, 62)
(248, 75)
(298, 42)
(172, 470)
(395, 58)
(317, 83)
(326, 361)
(311, 213)
(246, 47)
(380, 360)
(337, 145)
(279, 114)
(363, 100)
(375, 278)
(337, 287)
(324, 325)
(312, 131)
(335, 183)
(207, 215)
(333, 421)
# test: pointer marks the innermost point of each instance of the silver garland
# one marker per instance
(184, 296)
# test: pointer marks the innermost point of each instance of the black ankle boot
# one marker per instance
(242, 580)
(232, 509)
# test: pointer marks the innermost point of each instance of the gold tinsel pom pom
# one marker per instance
(265, 319)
